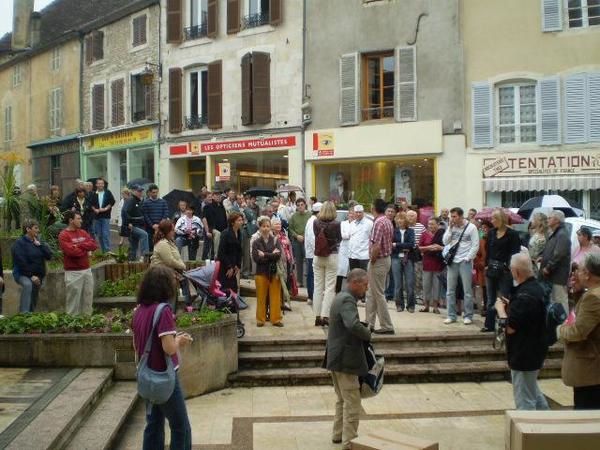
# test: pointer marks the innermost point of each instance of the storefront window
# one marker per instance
(197, 173)
(267, 169)
(96, 166)
(141, 164)
(408, 180)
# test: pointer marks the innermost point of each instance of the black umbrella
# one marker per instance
(140, 182)
(260, 192)
(555, 202)
(175, 196)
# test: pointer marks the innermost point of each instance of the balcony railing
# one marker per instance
(255, 20)
(196, 32)
(194, 122)
(377, 113)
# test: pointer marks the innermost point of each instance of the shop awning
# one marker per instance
(577, 183)
(54, 140)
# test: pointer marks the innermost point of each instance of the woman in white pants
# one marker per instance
(327, 242)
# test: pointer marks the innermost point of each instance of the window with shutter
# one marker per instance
(98, 43)
(55, 109)
(247, 89)
(583, 13)
(197, 100)
(349, 101)
(117, 94)
(549, 111)
(98, 107)
(55, 59)
(552, 15)
(233, 16)
(275, 12)
(406, 86)
(261, 88)
(575, 109)
(89, 49)
(175, 100)
(212, 19)
(8, 130)
(594, 108)
(517, 113)
(141, 98)
(174, 21)
(139, 30)
(215, 95)
(482, 120)
(377, 85)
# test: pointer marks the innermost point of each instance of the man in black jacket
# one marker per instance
(525, 334)
(214, 219)
(345, 356)
(133, 221)
(102, 202)
(556, 258)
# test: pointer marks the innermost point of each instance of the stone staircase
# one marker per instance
(83, 411)
(431, 357)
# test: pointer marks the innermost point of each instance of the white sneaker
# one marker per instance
(467, 321)
(449, 320)
(309, 302)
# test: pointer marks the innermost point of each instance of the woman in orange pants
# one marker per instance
(266, 251)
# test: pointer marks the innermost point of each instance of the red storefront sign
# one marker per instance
(175, 150)
(251, 144)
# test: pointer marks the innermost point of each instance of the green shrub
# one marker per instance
(126, 287)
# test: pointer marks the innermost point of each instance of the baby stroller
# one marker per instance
(205, 280)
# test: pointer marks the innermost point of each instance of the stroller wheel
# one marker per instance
(240, 331)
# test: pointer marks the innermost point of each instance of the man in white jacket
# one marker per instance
(309, 250)
(467, 236)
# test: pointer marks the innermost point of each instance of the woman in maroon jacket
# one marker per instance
(431, 247)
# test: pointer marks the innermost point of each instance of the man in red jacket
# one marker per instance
(76, 244)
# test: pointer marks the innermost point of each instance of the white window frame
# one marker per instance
(55, 59)
(131, 30)
(188, 91)
(517, 110)
(8, 131)
(17, 75)
(55, 109)
(584, 16)
(199, 14)
(258, 6)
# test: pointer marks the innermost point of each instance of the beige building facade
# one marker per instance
(532, 89)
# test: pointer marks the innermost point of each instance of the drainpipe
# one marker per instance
(303, 134)
(159, 133)
(81, 93)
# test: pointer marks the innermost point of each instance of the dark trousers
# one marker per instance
(150, 232)
(310, 278)
(299, 256)
(338, 284)
(390, 286)
(358, 264)
(587, 397)
(207, 248)
(495, 287)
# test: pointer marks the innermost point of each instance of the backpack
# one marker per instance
(372, 382)
(322, 243)
(555, 315)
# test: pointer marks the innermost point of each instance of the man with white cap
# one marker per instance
(358, 245)
(309, 250)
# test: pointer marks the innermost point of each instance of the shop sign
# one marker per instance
(223, 172)
(195, 148)
(323, 144)
(176, 150)
(542, 164)
(121, 139)
(250, 144)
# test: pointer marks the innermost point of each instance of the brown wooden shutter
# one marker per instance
(117, 89)
(275, 12)
(139, 30)
(261, 87)
(175, 100)
(174, 21)
(98, 107)
(98, 45)
(213, 19)
(69, 164)
(233, 16)
(41, 173)
(215, 95)
(247, 89)
(89, 49)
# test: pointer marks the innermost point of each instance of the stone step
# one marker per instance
(55, 425)
(397, 341)
(403, 373)
(314, 358)
(99, 431)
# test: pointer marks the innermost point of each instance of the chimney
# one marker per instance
(21, 35)
(35, 27)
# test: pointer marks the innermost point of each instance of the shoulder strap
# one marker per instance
(157, 313)
(463, 232)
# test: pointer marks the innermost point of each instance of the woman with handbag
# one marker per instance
(502, 243)
(158, 286)
(431, 246)
(266, 252)
(403, 268)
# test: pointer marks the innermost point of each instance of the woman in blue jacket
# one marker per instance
(403, 248)
(29, 264)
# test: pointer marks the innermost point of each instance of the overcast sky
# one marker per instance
(6, 13)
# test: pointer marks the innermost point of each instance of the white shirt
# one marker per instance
(469, 244)
(343, 263)
(309, 238)
(360, 233)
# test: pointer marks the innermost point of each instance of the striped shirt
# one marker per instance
(419, 229)
(382, 234)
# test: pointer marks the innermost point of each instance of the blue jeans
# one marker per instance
(29, 294)
(495, 287)
(102, 229)
(175, 412)
(389, 286)
(403, 272)
(528, 395)
(137, 238)
(464, 269)
(310, 278)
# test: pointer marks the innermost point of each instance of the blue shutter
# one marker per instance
(406, 84)
(482, 104)
(575, 109)
(349, 89)
(594, 106)
(552, 15)
(548, 97)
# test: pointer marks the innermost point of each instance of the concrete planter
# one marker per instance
(204, 366)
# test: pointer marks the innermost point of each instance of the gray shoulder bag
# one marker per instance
(156, 387)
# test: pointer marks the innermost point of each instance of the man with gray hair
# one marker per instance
(345, 356)
(526, 346)
(556, 259)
